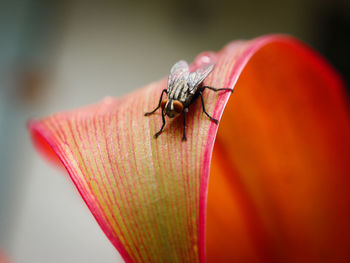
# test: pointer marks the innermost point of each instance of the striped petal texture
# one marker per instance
(279, 162)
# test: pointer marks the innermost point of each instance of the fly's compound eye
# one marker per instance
(163, 103)
(178, 107)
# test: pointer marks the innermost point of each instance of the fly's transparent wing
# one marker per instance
(178, 72)
(197, 77)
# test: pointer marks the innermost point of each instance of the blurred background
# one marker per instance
(58, 55)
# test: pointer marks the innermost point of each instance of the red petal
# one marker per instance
(279, 176)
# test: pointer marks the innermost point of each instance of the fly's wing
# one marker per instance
(178, 72)
(197, 77)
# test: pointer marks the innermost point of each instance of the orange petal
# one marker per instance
(278, 178)
(280, 171)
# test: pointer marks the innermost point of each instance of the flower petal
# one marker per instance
(278, 173)
(279, 180)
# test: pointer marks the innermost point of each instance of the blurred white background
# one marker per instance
(58, 56)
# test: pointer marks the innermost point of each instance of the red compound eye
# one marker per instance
(178, 106)
(163, 103)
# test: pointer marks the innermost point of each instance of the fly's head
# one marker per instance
(172, 108)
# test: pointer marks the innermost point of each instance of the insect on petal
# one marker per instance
(279, 169)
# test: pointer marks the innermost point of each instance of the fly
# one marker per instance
(184, 87)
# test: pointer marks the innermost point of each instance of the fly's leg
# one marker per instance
(206, 113)
(214, 89)
(161, 129)
(184, 128)
(160, 101)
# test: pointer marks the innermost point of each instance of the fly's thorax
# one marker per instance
(179, 91)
